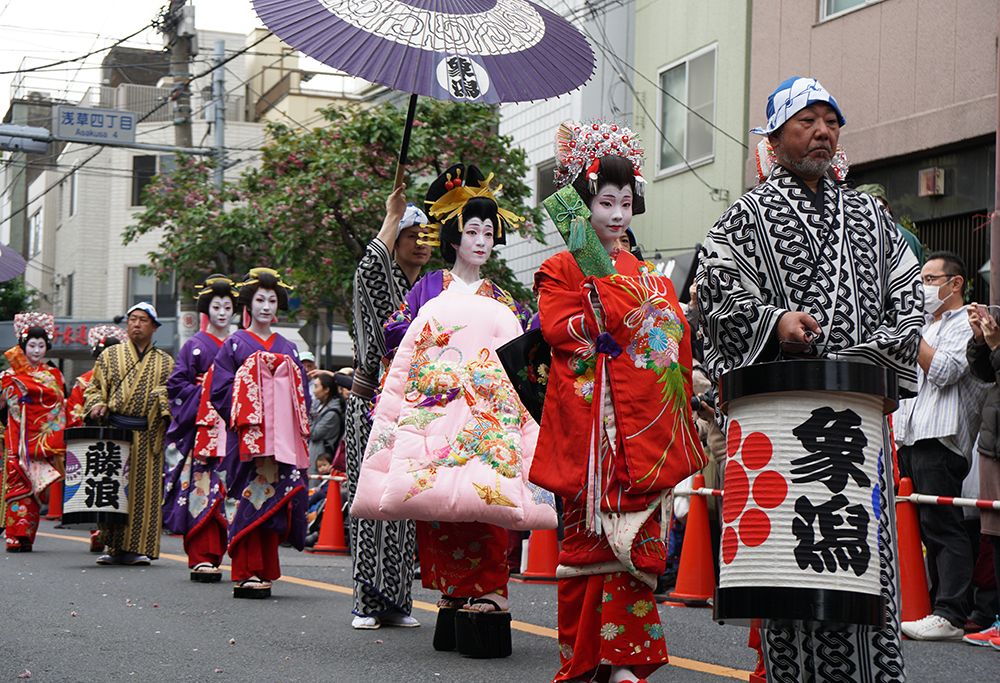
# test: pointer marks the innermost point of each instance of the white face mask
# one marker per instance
(932, 300)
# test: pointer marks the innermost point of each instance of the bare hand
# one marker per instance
(991, 331)
(98, 412)
(975, 314)
(798, 327)
(395, 203)
(313, 374)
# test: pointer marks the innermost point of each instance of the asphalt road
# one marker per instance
(65, 618)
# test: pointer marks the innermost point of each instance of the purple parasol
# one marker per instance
(482, 51)
(11, 263)
(485, 51)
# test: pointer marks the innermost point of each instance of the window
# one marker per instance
(35, 234)
(143, 171)
(545, 181)
(143, 287)
(687, 111)
(831, 8)
(74, 189)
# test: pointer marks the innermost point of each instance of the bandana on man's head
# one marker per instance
(792, 96)
(413, 216)
(146, 308)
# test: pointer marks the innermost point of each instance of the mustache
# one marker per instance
(824, 148)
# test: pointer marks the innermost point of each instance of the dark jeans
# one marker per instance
(938, 471)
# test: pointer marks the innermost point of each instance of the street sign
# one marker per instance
(87, 124)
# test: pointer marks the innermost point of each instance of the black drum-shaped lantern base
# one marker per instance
(90, 520)
(483, 635)
(808, 609)
(444, 629)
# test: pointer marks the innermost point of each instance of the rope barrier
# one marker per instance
(916, 498)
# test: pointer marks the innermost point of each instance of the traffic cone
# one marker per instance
(915, 598)
(55, 500)
(331, 539)
(696, 575)
(543, 557)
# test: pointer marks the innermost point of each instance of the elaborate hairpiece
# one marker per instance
(99, 334)
(217, 285)
(23, 322)
(767, 160)
(581, 146)
(458, 193)
(253, 278)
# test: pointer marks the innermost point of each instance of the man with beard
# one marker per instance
(382, 551)
(801, 266)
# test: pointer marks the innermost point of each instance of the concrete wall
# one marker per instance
(680, 208)
(910, 75)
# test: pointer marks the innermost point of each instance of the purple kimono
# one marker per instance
(267, 494)
(193, 490)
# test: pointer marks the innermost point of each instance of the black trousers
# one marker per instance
(938, 471)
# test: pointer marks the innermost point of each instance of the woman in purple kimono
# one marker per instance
(194, 495)
(258, 388)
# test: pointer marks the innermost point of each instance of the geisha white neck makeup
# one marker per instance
(220, 315)
(474, 249)
(35, 350)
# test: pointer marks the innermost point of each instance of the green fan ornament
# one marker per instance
(572, 219)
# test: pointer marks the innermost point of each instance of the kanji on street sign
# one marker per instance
(86, 124)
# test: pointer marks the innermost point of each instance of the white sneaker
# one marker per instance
(931, 627)
(366, 623)
(399, 620)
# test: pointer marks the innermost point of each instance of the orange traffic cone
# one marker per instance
(914, 596)
(55, 500)
(331, 539)
(543, 557)
(696, 575)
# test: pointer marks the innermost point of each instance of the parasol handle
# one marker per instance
(404, 148)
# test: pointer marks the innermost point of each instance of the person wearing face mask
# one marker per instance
(448, 426)
(260, 390)
(36, 418)
(935, 433)
(195, 487)
(620, 385)
(129, 385)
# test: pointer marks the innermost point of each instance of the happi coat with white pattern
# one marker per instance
(836, 256)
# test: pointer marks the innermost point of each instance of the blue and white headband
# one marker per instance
(792, 96)
(412, 216)
(146, 308)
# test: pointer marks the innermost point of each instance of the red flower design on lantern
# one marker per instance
(746, 478)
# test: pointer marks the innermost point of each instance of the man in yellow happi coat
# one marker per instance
(130, 380)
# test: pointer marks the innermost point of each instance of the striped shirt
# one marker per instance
(949, 399)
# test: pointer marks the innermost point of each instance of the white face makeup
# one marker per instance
(263, 307)
(611, 213)
(477, 243)
(34, 350)
(220, 312)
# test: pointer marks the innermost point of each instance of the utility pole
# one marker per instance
(179, 31)
(219, 93)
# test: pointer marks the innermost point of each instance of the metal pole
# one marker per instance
(219, 92)
(995, 226)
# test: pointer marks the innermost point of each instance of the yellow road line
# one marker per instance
(523, 626)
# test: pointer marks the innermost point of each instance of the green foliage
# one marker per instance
(15, 297)
(319, 197)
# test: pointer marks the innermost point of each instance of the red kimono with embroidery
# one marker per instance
(269, 411)
(210, 430)
(33, 441)
(74, 404)
(620, 379)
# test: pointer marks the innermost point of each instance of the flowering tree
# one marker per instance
(318, 197)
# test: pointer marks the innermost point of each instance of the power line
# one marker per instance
(43, 67)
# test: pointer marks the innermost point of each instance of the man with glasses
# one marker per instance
(129, 389)
(935, 432)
